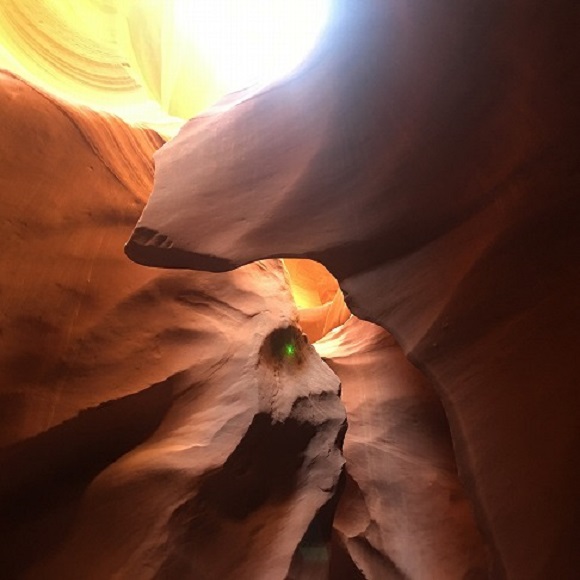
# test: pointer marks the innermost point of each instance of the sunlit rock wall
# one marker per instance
(124, 57)
(154, 424)
(428, 156)
(404, 512)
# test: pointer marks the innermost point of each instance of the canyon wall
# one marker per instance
(153, 423)
(160, 423)
(403, 512)
(428, 155)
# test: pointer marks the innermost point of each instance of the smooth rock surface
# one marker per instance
(152, 423)
(403, 513)
(320, 302)
(428, 156)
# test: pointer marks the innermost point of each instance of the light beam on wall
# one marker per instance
(249, 42)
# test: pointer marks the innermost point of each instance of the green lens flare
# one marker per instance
(289, 349)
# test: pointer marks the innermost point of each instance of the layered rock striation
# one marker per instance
(154, 424)
(404, 512)
(427, 155)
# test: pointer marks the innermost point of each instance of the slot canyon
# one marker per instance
(318, 328)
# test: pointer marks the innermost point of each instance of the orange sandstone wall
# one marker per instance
(151, 424)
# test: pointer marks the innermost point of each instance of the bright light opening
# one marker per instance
(250, 42)
(318, 298)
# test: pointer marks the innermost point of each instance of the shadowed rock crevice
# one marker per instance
(258, 480)
(149, 247)
(341, 564)
(313, 556)
(42, 479)
(404, 509)
(262, 469)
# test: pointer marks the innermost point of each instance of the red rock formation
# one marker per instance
(72, 182)
(428, 156)
(154, 423)
(317, 295)
(403, 513)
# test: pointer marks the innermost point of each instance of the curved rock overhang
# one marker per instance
(428, 157)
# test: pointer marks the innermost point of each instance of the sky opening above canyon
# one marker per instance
(252, 41)
(157, 63)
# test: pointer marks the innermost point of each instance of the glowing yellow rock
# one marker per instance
(120, 57)
(154, 62)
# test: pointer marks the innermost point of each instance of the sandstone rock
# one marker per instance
(155, 424)
(403, 513)
(72, 182)
(427, 155)
(320, 302)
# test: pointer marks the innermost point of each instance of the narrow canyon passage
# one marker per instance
(154, 423)
(321, 326)
(151, 418)
(404, 510)
(428, 158)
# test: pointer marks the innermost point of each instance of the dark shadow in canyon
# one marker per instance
(42, 479)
